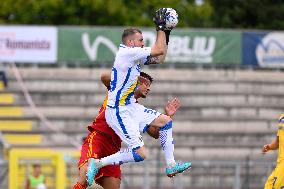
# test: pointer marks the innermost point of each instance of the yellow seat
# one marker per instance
(22, 139)
(17, 125)
(2, 86)
(11, 111)
(6, 98)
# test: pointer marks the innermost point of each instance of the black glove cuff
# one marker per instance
(167, 32)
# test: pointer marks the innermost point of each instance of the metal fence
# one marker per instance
(3, 174)
(203, 175)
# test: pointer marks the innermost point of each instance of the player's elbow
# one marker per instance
(105, 78)
(160, 60)
(161, 52)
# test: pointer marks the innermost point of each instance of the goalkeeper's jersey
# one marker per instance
(280, 135)
(125, 72)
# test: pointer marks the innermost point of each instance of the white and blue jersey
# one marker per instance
(129, 121)
(125, 72)
(127, 118)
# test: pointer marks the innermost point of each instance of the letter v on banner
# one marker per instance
(92, 50)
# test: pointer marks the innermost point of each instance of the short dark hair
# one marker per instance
(128, 32)
(36, 165)
(143, 74)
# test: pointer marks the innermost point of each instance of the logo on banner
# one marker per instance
(4, 37)
(92, 50)
(9, 44)
(28, 44)
(270, 51)
(197, 49)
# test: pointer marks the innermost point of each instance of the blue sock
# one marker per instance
(123, 156)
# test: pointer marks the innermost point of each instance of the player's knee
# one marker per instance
(165, 119)
(167, 126)
(139, 154)
(168, 119)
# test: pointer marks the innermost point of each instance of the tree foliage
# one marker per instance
(265, 14)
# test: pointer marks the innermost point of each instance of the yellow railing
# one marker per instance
(18, 155)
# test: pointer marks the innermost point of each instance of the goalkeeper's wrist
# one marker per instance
(160, 28)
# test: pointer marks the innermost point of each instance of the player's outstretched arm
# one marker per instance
(160, 22)
(161, 59)
(159, 47)
(106, 78)
(272, 146)
(170, 109)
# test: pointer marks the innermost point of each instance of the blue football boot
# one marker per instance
(92, 171)
(178, 168)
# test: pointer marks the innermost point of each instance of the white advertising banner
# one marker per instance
(28, 44)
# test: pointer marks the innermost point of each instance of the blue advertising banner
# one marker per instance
(263, 49)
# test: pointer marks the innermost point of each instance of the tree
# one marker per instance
(253, 14)
(265, 14)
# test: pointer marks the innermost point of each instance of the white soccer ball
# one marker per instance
(171, 19)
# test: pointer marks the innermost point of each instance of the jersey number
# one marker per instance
(150, 111)
(113, 79)
(274, 180)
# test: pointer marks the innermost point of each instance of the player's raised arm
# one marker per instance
(272, 146)
(159, 47)
(161, 58)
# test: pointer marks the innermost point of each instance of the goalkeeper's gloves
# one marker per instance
(160, 19)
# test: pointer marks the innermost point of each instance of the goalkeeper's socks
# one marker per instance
(167, 143)
(79, 186)
(123, 156)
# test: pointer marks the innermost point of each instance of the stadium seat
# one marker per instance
(2, 85)
(21, 139)
(8, 111)
(15, 125)
(6, 98)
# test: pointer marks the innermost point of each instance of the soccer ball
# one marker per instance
(171, 19)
